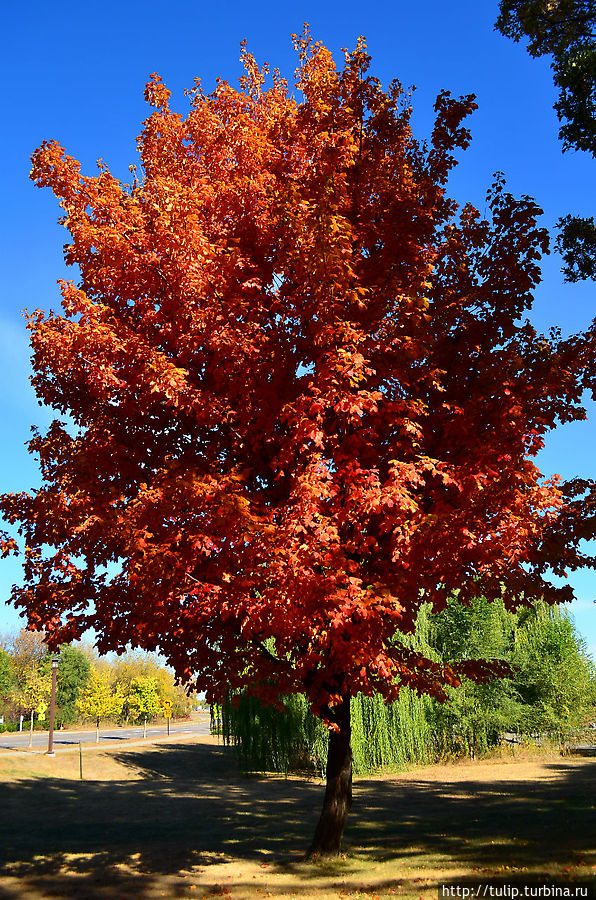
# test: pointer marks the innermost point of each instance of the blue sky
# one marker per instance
(76, 72)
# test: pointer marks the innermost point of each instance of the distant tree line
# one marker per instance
(551, 694)
(131, 688)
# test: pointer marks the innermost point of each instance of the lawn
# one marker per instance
(179, 820)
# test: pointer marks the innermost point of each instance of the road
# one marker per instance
(108, 736)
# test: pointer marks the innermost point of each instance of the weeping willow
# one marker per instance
(554, 686)
(384, 736)
(272, 740)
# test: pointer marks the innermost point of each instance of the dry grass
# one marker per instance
(98, 764)
(178, 820)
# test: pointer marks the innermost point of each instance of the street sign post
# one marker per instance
(167, 711)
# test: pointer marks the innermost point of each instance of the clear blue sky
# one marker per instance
(76, 72)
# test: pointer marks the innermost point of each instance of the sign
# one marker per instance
(167, 709)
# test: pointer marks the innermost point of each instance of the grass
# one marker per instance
(178, 820)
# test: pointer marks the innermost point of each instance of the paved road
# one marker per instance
(109, 735)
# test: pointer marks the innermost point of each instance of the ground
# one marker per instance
(178, 820)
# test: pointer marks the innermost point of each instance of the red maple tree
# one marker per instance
(302, 399)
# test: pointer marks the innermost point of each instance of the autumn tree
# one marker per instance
(31, 693)
(142, 701)
(130, 667)
(302, 398)
(100, 698)
(27, 649)
(565, 30)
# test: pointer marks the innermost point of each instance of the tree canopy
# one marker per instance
(72, 678)
(302, 396)
(566, 31)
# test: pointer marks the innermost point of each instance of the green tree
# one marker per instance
(99, 699)
(476, 713)
(7, 678)
(556, 678)
(565, 30)
(72, 678)
(142, 701)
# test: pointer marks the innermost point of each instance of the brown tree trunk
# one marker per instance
(338, 792)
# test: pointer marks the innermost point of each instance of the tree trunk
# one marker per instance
(338, 792)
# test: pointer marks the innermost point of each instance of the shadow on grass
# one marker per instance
(193, 808)
(483, 823)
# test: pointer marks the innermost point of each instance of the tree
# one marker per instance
(130, 666)
(27, 649)
(556, 677)
(142, 700)
(304, 401)
(72, 677)
(477, 714)
(552, 691)
(565, 30)
(99, 699)
(32, 692)
(7, 675)
(31, 681)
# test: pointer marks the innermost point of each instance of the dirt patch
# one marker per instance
(179, 820)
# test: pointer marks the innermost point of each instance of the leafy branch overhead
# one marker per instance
(566, 31)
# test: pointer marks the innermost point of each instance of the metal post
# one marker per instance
(55, 660)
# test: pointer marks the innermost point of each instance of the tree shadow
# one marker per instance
(192, 807)
(483, 824)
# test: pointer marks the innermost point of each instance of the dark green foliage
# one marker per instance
(72, 677)
(565, 30)
(575, 76)
(577, 245)
(549, 27)
(551, 693)
(7, 675)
